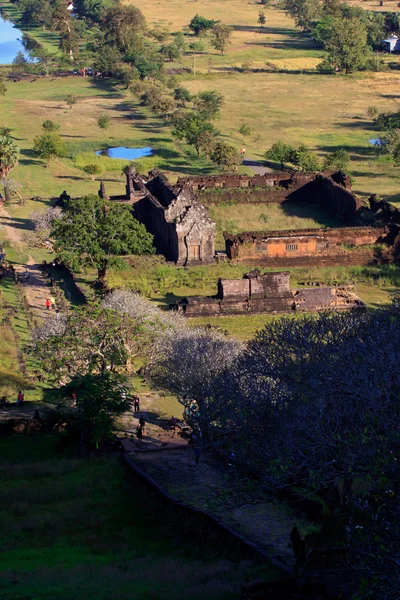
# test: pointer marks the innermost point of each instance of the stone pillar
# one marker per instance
(102, 191)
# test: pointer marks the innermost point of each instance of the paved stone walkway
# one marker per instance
(167, 457)
(257, 166)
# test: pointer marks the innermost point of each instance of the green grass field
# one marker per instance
(86, 529)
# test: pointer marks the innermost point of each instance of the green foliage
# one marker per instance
(305, 160)
(280, 152)
(245, 129)
(71, 99)
(208, 104)
(91, 9)
(347, 45)
(8, 155)
(195, 130)
(99, 401)
(372, 112)
(388, 121)
(225, 156)
(37, 12)
(338, 160)
(49, 146)
(96, 233)
(220, 37)
(92, 170)
(304, 12)
(182, 95)
(170, 51)
(197, 47)
(200, 24)
(50, 126)
(121, 26)
(103, 122)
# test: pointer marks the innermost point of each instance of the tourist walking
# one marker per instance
(136, 404)
(26, 275)
(139, 433)
(20, 398)
(53, 302)
(48, 303)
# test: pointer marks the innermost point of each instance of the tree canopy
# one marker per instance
(96, 233)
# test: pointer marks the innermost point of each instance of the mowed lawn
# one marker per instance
(86, 529)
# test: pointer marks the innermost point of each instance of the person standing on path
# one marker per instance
(48, 303)
(142, 423)
(139, 433)
(20, 398)
(53, 302)
(136, 404)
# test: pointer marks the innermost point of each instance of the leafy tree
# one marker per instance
(261, 19)
(6, 131)
(3, 87)
(108, 60)
(305, 160)
(71, 99)
(245, 129)
(104, 122)
(220, 37)
(20, 62)
(127, 74)
(338, 160)
(92, 170)
(63, 22)
(225, 156)
(280, 152)
(304, 12)
(90, 339)
(372, 112)
(170, 52)
(8, 159)
(49, 146)
(121, 25)
(194, 129)
(200, 24)
(43, 59)
(182, 95)
(180, 42)
(388, 120)
(96, 233)
(161, 35)
(91, 9)
(347, 45)
(37, 12)
(50, 126)
(197, 47)
(209, 103)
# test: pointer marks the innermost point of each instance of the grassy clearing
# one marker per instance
(84, 528)
(29, 102)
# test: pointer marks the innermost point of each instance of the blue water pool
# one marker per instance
(10, 42)
(127, 153)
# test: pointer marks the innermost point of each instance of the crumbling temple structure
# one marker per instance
(268, 293)
(306, 246)
(183, 230)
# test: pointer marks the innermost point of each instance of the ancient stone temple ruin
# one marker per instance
(268, 293)
(183, 230)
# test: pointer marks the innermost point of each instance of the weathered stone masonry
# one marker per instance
(182, 228)
(312, 244)
(267, 293)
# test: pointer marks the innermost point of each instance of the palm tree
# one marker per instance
(8, 159)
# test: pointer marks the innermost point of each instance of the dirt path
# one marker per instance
(36, 288)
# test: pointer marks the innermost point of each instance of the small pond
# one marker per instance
(11, 42)
(127, 153)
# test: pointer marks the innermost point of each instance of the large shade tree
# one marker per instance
(96, 233)
(8, 159)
